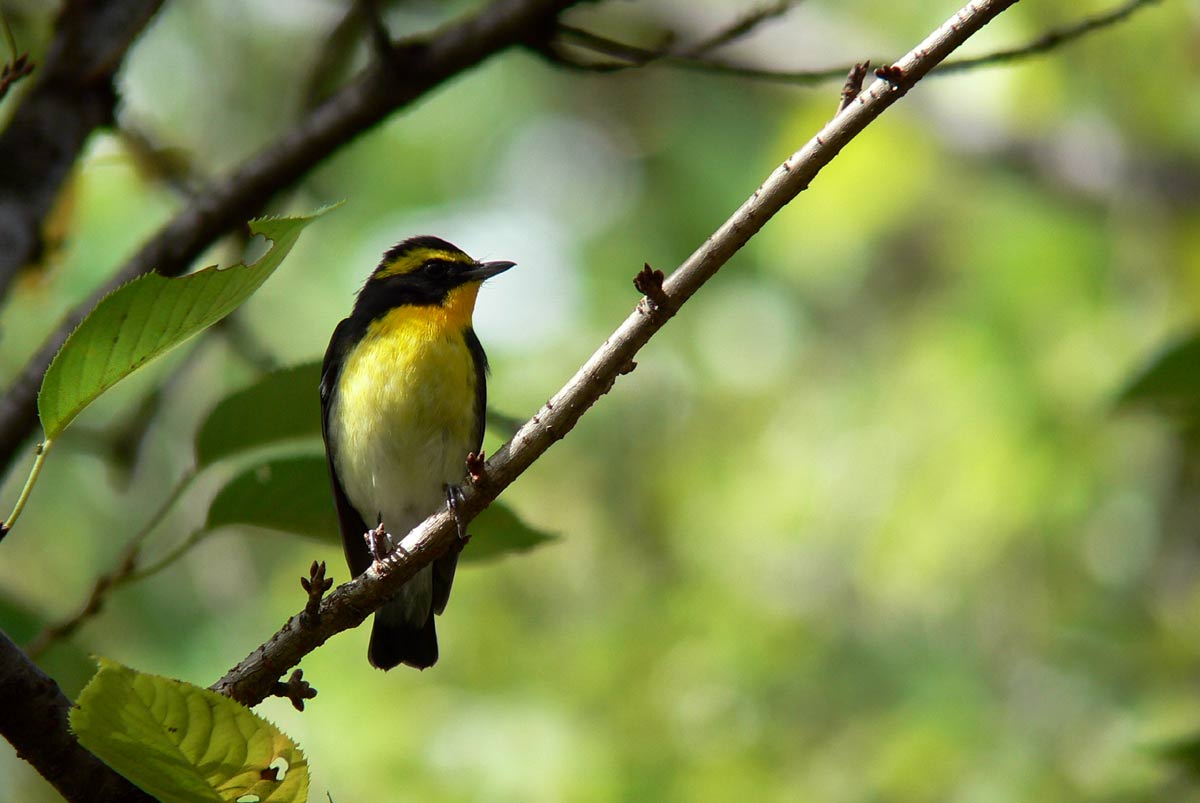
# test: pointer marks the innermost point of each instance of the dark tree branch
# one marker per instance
(625, 56)
(255, 677)
(73, 96)
(35, 723)
(415, 68)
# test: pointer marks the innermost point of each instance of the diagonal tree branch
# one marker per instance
(254, 678)
(412, 69)
(73, 96)
(35, 723)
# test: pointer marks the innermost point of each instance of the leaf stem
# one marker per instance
(34, 471)
(182, 485)
(8, 36)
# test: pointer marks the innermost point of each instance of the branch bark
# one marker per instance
(73, 96)
(35, 723)
(254, 678)
(412, 69)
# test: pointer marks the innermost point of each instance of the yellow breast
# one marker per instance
(403, 416)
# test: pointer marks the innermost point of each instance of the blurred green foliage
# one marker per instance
(866, 523)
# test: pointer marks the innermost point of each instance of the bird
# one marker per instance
(403, 394)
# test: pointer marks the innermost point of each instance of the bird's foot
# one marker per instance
(454, 500)
(377, 542)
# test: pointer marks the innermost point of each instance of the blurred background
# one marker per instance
(868, 522)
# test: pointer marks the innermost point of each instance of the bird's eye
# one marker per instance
(437, 269)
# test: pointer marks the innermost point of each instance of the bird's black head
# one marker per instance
(422, 271)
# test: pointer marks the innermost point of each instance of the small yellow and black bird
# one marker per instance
(403, 396)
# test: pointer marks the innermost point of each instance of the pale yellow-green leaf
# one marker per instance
(184, 744)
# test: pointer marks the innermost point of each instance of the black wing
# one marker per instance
(481, 372)
(352, 525)
(443, 567)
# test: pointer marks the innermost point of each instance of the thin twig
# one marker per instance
(124, 572)
(9, 38)
(1051, 39)
(739, 28)
(18, 65)
(177, 552)
(348, 605)
(14, 71)
(626, 56)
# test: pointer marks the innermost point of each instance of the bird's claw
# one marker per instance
(377, 542)
(454, 499)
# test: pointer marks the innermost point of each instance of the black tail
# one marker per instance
(403, 632)
(394, 642)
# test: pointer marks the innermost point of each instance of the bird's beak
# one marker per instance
(485, 270)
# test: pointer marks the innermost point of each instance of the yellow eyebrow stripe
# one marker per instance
(411, 260)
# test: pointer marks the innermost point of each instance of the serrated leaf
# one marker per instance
(147, 317)
(184, 744)
(293, 494)
(282, 405)
(1170, 381)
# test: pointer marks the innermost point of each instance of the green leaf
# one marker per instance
(148, 316)
(1170, 381)
(64, 660)
(1183, 752)
(293, 494)
(17, 620)
(281, 406)
(503, 425)
(498, 531)
(184, 744)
